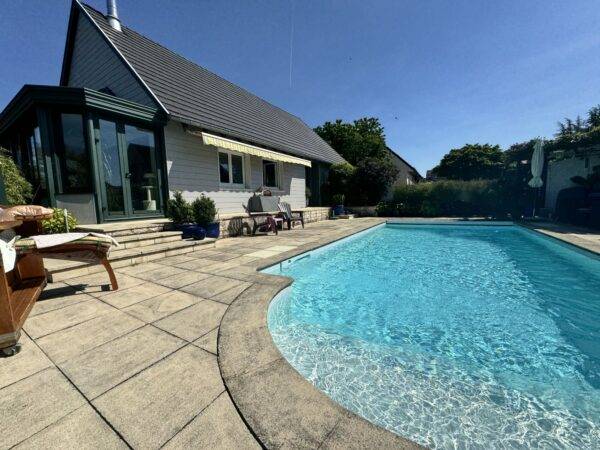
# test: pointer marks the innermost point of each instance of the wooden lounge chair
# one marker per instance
(21, 287)
(291, 217)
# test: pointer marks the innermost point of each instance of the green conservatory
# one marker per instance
(99, 156)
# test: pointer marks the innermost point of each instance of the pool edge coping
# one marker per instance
(279, 405)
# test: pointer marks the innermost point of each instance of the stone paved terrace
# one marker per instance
(141, 367)
(138, 367)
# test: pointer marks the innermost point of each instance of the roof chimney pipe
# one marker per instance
(113, 16)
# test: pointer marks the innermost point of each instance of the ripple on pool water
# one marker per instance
(455, 337)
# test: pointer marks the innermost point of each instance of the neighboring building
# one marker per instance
(560, 172)
(407, 174)
(131, 122)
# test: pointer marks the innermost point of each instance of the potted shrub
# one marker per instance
(338, 204)
(205, 213)
(180, 212)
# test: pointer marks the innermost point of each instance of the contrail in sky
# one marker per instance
(292, 43)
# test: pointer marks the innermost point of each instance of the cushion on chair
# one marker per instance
(27, 244)
(31, 212)
(8, 220)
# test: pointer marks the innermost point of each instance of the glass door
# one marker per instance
(128, 170)
(112, 171)
(142, 175)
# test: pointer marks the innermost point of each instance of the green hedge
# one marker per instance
(447, 198)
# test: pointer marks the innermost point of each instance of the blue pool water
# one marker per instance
(452, 336)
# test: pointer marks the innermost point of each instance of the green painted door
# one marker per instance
(128, 170)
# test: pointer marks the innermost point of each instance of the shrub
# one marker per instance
(178, 209)
(204, 210)
(338, 199)
(371, 180)
(18, 189)
(449, 198)
(56, 224)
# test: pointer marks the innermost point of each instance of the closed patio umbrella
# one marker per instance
(537, 166)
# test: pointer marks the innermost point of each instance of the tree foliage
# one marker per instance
(371, 180)
(363, 138)
(18, 189)
(571, 127)
(369, 170)
(471, 162)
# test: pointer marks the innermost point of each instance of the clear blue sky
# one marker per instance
(437, 73)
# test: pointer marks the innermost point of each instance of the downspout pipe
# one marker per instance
(113, 15)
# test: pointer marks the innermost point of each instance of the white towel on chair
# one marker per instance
(8, 254)
(52, 240)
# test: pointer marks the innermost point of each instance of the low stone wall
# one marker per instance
(235, 225)
(362, 211)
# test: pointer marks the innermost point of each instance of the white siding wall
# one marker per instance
(95, 65)
(192, 168)
(560, 174)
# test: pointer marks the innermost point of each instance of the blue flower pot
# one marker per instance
(213, 230)
(338, 210)
(191, 230)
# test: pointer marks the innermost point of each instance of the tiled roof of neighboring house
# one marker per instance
(396, 155)
(196, 96)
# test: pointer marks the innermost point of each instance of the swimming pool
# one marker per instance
(452, 336)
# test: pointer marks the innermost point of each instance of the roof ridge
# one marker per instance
(196, 64)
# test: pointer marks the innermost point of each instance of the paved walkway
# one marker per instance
(138, 367)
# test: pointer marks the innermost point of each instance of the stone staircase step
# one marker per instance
(59, 270)
(129, 228)
(145, 239)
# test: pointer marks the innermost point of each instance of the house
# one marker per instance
(132, 122)
(564, 165)
(407, 174)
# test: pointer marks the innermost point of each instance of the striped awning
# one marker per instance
(230, 144)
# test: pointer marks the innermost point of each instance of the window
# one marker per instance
(73, 156)
(270, 174)
(231, 169)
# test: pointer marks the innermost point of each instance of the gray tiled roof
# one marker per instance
(197, 96)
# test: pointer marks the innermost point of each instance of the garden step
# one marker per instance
(145, 239)
(59, 270)
(128, 228)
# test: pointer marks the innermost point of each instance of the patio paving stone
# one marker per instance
(230, 295)
(140, 409)
(209, 341)
(172, 260)
(161, 272)
(98, 284)
(25, 363)
(211, 286)
(161, 306)
(68, 316)
(182, 279)
(139, 268)
(127, 297)
(96, 371)
(67, 344)
(81, 429)
(56, 296)
(195, 321)
(32, 404)
(218, 427)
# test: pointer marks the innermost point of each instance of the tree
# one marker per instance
(372, 178)
(594, 117)
(363, 138)
(471, 162)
